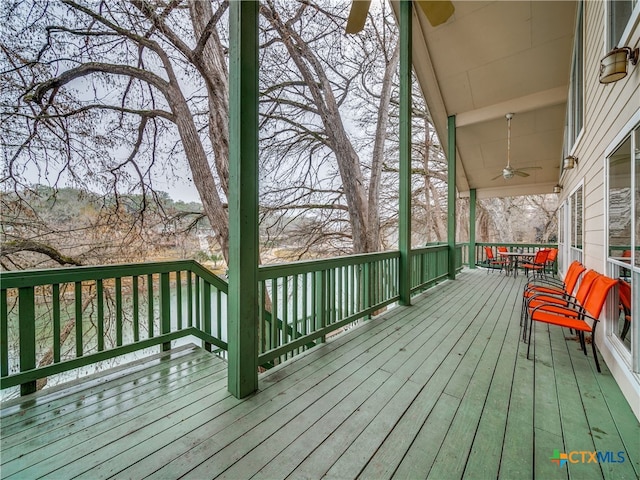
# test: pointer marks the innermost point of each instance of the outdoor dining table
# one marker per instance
(513, 258)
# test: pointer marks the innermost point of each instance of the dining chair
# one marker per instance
(492, 262)
(507, 261)
(590, 310)
(538, 263)
(550, 263)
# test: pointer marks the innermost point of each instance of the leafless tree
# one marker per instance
(98, 93)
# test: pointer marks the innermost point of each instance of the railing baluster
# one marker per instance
(4, 333)
(320, 292)
(352, 289)
(55, 292)
(305, 303)
(100, 326)
(285, 309)
(262, 317)
(333, 318)
(190, 302)
(218, 313)
(274, 313)
(294, 308)
(27, 332)
(78, 318)
(150, 307)
(165, 308)
(179, 300)
(206, 293)
(136, 309)
(198, 301)
(119, 326)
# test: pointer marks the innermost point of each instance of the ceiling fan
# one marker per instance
(508, 171)
(437, 12)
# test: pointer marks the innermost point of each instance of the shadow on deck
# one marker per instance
(440, 390)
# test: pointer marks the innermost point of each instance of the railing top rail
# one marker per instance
(307, 266)
(517, 244)
(33, 278)
(431, 248)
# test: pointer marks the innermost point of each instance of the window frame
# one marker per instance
(574, 122)
(630, 356)
(609, 42)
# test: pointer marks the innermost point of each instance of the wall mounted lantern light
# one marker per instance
(613, 66)
(557, 189)
(570, 162)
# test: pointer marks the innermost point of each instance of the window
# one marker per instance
(574, 226)
(562, 245)
(619, 13)
(576, 219)
(623, 240)
(575, 100)
(620, 200)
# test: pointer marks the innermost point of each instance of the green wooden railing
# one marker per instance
(314, 298)
(53, 321)
(58, 320)
(311, 299)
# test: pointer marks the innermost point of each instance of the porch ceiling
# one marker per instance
(489, 59)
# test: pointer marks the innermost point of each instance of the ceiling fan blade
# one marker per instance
(495, 178)
(357, 15)
(520, 173)
(530, 168)
(437, 12)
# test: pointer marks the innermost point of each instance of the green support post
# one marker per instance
(243, 199)
(404, 240)
(451, 196)
(472, 228)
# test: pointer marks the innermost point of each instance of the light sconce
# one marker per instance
(570, 162)
(557, 189)
(613, 66)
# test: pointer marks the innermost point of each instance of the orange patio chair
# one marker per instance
(551, 260)
(552, 286)
(590, 310)
(492, 261)
(566, 304)
(624, 294)
(507, 261)
(538, 263)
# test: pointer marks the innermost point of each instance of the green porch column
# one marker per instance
(472, 228)
(404, 235)
(451, 197)
(242, 305)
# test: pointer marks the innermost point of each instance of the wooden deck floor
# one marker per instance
(440, 390)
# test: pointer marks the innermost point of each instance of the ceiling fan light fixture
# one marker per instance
(507, 173)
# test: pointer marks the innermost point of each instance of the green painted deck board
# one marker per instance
(441, 389)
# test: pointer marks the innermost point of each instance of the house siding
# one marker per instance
(608, 111)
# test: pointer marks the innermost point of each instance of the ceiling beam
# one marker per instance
(535, 101)
(506, 190)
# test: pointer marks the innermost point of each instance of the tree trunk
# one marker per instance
(373, 221)
(319, 86)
